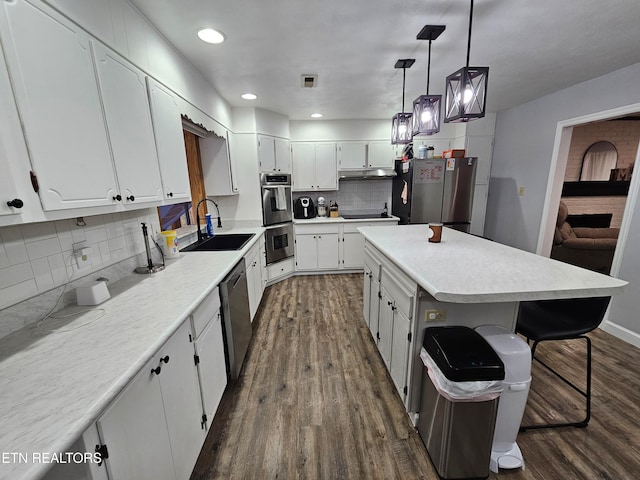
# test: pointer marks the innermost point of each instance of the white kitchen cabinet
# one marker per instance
(352, 242)
(352, 155)
(366, 154)
(401, 341)
(380, 154)
(281, 269)
(253, 262)
(153, 429)
(371, 291)
(274, 154)
(167, 127)
(314, 166)
(218, 165)
(52, 71)
(126, 108)
(317, 247)
(212, 371)
(385, 326)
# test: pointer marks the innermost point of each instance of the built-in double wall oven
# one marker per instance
(277, 215)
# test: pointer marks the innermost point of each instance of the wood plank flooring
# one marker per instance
(314, 401)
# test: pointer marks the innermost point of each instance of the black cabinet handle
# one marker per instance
(118, 197)
(156, 370)
(131, 198)
(165, 359)
(170, 194)
(16, 203)
(389, 303)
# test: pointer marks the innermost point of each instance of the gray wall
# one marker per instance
(524, 140)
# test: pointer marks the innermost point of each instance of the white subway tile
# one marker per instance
(58, 270)
(105, 252)
(14, 245)
(33, 232)
(96, 235)
(4, 258)
(64, 234)
(15, 274)
(43, 248)
(42, 274)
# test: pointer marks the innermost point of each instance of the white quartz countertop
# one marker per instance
(464, 268)
(58, 377)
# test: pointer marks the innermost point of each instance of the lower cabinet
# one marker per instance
(317, 247)
(254, 261)
(153, 429)
(389, 311)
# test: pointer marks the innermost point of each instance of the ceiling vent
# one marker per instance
(309, 81)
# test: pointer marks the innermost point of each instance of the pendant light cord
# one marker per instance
(428, 66)
(404, 75)
(469, 39)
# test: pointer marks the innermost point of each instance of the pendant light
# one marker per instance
(426, 108)
(466, 89)
(401, 122)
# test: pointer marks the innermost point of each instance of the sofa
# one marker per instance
(590, 248)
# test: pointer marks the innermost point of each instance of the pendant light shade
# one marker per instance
(466, 89)
(427, 108)
(401, 124)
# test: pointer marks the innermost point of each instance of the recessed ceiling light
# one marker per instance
(316, 115)
(249, 96)
(210, 35)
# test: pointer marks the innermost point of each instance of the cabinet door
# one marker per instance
(380, 154)
(303, 157)
(231, 155)
(352, 250)
(374, 307)
(211, 367)
(400, 351)
(352, 155)
(326, 167)
(366, 293)
(267, 153)
(167, 127)
(385, 327)
(328, 251)
(283, 155)
(306, 252)
(135, 431)
(182, 400)
(126, 108)
(254, 283)
(51, 67)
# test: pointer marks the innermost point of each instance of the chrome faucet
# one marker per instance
(200, 236)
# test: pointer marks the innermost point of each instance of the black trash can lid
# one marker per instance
(462, 354)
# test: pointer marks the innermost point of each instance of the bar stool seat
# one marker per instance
(564, 319)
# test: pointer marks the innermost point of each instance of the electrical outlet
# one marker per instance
(81, 252)
(435, 316)
(521, 191)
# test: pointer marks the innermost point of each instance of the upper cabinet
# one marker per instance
(52, 72)
(172, 157)
(126, 109)
(314, 166)
(218, 165)
(366, 154)
(273, 154)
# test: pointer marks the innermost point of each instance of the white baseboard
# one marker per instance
(621, 332)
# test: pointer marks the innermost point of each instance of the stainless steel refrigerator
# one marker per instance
(434, 190)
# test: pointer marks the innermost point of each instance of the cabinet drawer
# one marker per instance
(280, 269)
(255, 250)
(204, 312)
(316, 228)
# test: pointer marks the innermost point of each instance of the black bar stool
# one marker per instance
(564, 319)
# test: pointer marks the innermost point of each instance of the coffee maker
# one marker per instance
(322, 207)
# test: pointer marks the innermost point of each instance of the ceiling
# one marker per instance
(533, 47)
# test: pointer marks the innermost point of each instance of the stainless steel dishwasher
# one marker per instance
(237, 319)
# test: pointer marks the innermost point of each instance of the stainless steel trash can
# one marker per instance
(458, 433)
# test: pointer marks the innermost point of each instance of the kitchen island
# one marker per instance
(411, 284)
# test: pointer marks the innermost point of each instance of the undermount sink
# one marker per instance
(220, 242)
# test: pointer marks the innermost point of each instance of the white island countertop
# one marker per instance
(58, 377)
(464, 268)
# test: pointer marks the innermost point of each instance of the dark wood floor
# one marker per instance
(315, 401)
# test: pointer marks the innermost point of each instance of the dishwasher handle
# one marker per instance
(234, 280)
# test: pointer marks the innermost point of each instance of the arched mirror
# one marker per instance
(598, 161)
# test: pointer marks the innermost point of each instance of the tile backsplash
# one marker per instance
(357, 195)
(37, 258)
